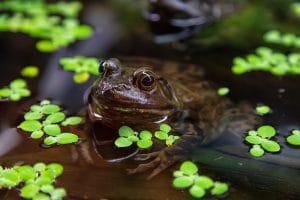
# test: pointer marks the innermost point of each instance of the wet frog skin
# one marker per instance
(145, 93)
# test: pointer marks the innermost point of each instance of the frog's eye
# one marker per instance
(146, 80)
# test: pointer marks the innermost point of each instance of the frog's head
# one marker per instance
(131, 95)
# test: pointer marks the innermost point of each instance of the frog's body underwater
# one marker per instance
(145, 94)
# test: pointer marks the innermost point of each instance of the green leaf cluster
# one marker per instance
(223, 91)
(127, 136)
(34, 182)
(44, 119)
(81, 66)
(30, 71)
(16, 90)
(187, 177)
(40, 20)
(268, 60)
(294, 138)
(261, 141)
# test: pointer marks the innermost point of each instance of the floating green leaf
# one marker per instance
(145, 135)
(26, 172)
(67, 138)
(263, 110)
(81, 77)
(30, 71)
(144, 143)
(219, 188)
(253, 139)
(204, 182)
(9, 178)
(56, 117)
(188, 168)
(266, 131)
(71, 121)
(50, 109)
(30, 125)
(37, 134)
(52, 129)
(39, 167)
(50, 140)
(293, 139)
(165, 127)
(270, 145)
(196, 191)
(33, 116)
(162, 135)
(29, 191)
(123, 142)
(183, 182)
(18, 83)
(257, 151)
(125, 131)
(223, 91)
(58, 193)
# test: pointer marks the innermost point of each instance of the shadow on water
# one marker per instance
(271, 177)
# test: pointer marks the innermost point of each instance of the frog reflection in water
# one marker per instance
(143, 97)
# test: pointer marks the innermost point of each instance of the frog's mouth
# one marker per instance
(114, 116)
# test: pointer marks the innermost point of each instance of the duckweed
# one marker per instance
(82, 66)
(39, 19)
(30, 71)
(223, 91)
(268, 60)
(261, 141)
(44, 119)
(33, 182)
(16, 90)
(127, 137)
(263, 109)
(187, 177)
(294, 138)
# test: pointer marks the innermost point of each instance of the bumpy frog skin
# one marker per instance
(145, 93)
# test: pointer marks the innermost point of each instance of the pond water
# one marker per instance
(274, 176)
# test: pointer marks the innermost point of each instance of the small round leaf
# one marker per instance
(162, 135)
(183, 182)
(144, 144)
(188, 168)
(123, 142)
(253, 139)
(67, 138)
(125, 131)
(165, 127)
(56, 117)
(196, 191)
(52, 129)
(266, 131)
(270, 146)
(293, 139)
(30, 125)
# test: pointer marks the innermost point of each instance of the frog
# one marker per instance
(181, 19)
(144, 93)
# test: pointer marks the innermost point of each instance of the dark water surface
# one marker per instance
(270, 177)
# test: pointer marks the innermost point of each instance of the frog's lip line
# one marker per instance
(158, 111)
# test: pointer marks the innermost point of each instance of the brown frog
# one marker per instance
(145, 93)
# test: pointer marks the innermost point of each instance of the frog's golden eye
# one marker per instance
(146, 80)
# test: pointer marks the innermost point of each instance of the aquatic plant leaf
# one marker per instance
(67, 138)
(41, 196)
(15, 97)
(223, 91)
(165, 127)
(5, 92)
(183, 182)
(50, 140)
(253, 139)
(252, 132)
(204, 182)
(145, 135)
(39, 167)
(270, 145)
(47, 188)
(162, 135)
(43, 180)
(263, 110)
(50, 108)
(133, 138)
(33, 116)
(52, 129)
(144, 143)
(30, 125)
(293, 139)
(178, 173)
(81, 77)
(18, 83)
(46, 46)
(83, 31)
(257, 151)
(197, 191)
(123, 142)
(189, 168)
(30, 71)
(36, 108)
(266, 131)
(9, 178)
(171, 139)
(45, 102)
(56, 117)
(23, 92)
(71, 121)
(296, 132)
(29, 191)
(58, 193)
(219, 188)
(56, 169)
(125, 131)
(37, 134)
(26, 172)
